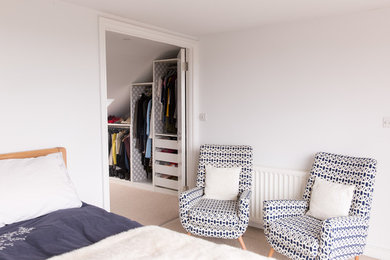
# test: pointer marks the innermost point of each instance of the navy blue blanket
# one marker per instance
(59, 232)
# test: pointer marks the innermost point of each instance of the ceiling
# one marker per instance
(201, 17)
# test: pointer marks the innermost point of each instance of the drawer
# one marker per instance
(164, 143)
(166, 183)
(169, 170)
(166, 157)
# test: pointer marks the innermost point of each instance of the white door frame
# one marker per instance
(159, 35)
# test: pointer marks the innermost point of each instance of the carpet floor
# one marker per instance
(154, 208)
(143, 206)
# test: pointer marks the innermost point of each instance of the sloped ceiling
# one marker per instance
(129, 60)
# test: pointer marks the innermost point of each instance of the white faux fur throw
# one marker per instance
(152, 242)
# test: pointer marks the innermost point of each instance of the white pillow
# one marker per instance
(33, 187)
(222, 183)
(329, 200)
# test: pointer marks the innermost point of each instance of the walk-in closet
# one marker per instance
(146, 100)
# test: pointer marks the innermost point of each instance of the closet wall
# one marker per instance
(135, 68)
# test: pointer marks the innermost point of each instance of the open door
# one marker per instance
(181, 118)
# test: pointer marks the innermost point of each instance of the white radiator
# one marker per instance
(273, 183)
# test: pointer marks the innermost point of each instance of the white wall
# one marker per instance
(293, 90)
(49, 85)
(288, 90)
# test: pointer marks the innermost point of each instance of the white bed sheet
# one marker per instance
(153, 242)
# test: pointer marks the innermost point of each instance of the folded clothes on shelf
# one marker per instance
(168, 151)
(168, 163)
(169, 177)
(114, 119)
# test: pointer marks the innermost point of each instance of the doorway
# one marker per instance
(170, 46)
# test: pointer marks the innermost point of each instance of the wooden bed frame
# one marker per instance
(34, 153)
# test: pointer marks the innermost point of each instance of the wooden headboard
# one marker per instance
(34, 153)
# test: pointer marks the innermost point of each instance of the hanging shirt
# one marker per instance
(118, 142)
(148, 114)
(141, 122)
(113, 151)
(148, 151)
(127, 164)
(168, 102)
(159, 106)
(126, 140)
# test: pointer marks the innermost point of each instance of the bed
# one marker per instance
(89, 232)
(60, 231)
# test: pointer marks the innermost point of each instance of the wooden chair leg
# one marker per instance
(357, 257)
(271, 252)
(242, 243)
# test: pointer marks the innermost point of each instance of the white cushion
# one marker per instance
(329, 200)
(222, 183)
(33, 187)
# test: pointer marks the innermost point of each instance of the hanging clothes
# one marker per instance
(122, 157)
(148, 150)
(114, 148)
(126, 140)
(119, 160)
(142, 127)
(142, 105)
(168, 100)
(127, 161)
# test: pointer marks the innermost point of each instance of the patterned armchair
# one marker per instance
(219, 218)
(292, 233)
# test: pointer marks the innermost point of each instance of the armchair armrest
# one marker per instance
(189, 198)
(243, 211)
(243, 206)
(342, 231)
(276, 209)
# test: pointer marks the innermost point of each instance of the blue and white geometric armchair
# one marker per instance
(226, 219)
(298, 236)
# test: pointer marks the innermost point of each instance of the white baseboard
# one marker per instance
(377, 252)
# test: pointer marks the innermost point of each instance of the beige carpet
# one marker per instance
(145, 207)
(153, 208)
